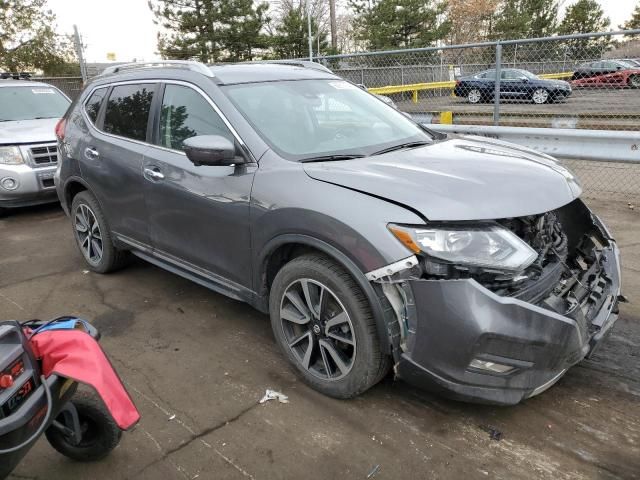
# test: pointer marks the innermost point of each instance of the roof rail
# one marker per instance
(300, 63)
(15, 75)
(185, 64)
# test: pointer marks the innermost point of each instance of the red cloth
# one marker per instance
(75, 354)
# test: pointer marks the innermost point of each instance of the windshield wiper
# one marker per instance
(330, 158)
(402, 146)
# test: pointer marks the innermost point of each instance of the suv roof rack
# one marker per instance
(185, 64)
(15, 75)
(293, 63)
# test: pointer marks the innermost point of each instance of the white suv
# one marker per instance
(28, 155)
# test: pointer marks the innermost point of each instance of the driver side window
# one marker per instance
(185, 114)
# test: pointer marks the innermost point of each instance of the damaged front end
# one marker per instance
(529, 298)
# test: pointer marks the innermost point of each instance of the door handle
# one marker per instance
(153, 173)
(91, 153)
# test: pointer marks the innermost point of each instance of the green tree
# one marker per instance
(291, 36)
(27, 37)
(389, 24)
(585, 16)
(525, 19)
(634, 22)
(210, 30)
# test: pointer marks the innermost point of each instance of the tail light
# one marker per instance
(60, 128)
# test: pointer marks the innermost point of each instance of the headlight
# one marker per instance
(482, 245)
(10, 156)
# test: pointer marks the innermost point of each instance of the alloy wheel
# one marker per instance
(318, 329)
(634, 81)
(474, 96)
(89, 234)
(540, 96)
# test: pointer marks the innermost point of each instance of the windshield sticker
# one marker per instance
(40, 91)
(342, 85)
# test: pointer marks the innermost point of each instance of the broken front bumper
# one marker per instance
(453, 322)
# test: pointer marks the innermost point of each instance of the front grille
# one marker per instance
(44, 155)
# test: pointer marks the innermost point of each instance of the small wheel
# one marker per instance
(474, 96)
(634, 81)
(540, 96)
(100, 434)
(92, 235)
(323, 323)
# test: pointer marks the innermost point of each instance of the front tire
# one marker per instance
(100, 434)
(323, 323)
(634, 81)
(93, 238)
(540, 96)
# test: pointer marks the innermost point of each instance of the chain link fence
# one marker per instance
(71, 86)
(589, 81)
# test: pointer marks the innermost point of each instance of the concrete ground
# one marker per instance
(197, 364)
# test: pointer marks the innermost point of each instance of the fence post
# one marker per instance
(496, 92)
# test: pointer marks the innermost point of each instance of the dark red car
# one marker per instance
(607, 73)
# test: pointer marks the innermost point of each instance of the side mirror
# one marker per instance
(524, 79)
(361, 85)
(210, 150)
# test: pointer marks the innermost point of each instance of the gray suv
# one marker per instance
(28, 154)
(469, 265)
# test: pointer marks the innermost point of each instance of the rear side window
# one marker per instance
(127, 112)
(92, 107)
(185, 114)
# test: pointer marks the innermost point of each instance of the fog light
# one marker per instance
(9, 183)
(490, 366)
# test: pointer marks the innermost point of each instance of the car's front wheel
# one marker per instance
(634, 81)
(92, 235)
(540, 96)
(474, 96)
(324, 325)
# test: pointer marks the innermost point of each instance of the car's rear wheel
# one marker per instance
(92, 235)
(323, 323)
(540, 96)
(474, 96)
(634, 81)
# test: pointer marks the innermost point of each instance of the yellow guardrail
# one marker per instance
(414, 88)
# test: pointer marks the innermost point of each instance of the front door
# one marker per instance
(198, 216)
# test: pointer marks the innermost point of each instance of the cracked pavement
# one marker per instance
(197, 363)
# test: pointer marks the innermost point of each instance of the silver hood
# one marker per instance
(461, 178)
(28, 131)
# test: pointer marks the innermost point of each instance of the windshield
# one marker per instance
(526, 73)
(31, 102)
(303, 119)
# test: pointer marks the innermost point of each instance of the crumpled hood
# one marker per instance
(28, 131)
(461, 178)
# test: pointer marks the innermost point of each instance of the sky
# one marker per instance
(125, 27)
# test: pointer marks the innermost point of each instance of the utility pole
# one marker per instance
(309, 28)
(78, 46)
(334, 29)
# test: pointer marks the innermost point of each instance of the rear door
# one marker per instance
(112, 156)
(198, 216)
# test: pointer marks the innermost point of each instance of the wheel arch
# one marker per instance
(284, 248)
(73, 186)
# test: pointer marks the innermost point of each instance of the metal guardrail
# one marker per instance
(598, 145)
(416, 87)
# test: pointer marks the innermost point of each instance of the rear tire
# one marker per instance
(323, 324)
(93, 237)
(474, 96)
(100, 434)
